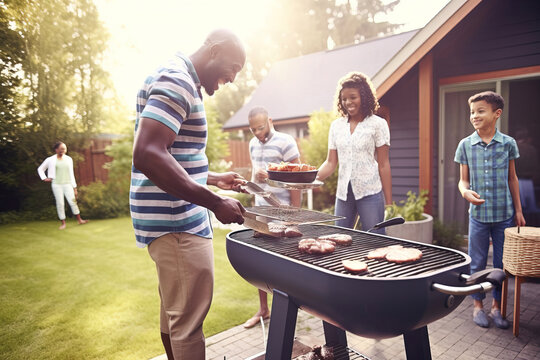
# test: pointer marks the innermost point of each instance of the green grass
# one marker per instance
(89, 293)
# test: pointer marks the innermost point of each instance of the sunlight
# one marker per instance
(145, 34)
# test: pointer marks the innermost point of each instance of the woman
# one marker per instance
(359, 141)
(59, 169)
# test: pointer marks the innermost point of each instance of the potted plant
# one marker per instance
(418, 225)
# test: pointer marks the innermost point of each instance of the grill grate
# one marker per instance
(432, 258)
(292, 215)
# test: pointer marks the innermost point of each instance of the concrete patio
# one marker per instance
(452, 337)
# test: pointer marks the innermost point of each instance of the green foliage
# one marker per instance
(217, 147)
(410, 210)
(39, 214)
(314, 152)
(103, 201)
(100, 201)
(447, 235)
(53, 85)
(284, 37)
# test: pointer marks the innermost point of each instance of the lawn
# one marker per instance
(88, 292)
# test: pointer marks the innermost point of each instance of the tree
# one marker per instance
(56, 85)
(300, 27)
(217, 147)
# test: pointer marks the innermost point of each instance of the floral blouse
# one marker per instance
(356, 154)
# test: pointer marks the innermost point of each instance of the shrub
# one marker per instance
(99, 201)
(447, 235)
(43, 213)
(314, 150)
(411, 209)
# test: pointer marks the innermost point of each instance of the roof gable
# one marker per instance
(296, 87)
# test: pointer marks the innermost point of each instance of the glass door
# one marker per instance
(454, 126)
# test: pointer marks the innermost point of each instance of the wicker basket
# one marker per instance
(521, 255)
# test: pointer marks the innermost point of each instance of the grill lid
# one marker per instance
(433, 258)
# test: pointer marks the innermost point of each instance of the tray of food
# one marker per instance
(292, 172)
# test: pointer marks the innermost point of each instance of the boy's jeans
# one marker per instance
(479, 235)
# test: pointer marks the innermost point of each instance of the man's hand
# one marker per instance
(48, 180)
(261, 175)
(473, 197)
(229, 210)
(230, 181)
(519, 219)
(75, 192)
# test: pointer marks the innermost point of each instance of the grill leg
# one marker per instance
(282, 326)
(335, 336)
(417, 344)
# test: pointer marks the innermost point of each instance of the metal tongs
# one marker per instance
(254, 189)
(253, 221)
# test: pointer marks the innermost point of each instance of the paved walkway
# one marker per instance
(452, 337)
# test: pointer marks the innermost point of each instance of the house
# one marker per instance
(423, 80)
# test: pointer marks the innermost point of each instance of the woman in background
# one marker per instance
(359, 141)
(60, 174)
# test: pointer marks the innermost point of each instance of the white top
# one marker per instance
(49, 165)
(356, 154)
(279, 147)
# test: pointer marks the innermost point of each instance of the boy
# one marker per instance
(489, 182)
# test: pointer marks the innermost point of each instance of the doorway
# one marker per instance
(518, 120)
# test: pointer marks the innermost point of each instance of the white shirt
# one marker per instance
(49, 165)
(279, 147)
(356, 154)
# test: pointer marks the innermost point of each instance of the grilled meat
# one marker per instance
(380, 253)
(312, 246)
(292, 231)
(339, 239)
(404, 255)
(355, 266)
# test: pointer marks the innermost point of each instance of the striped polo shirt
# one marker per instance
(279, 147)
(172, 96)
(488, 174)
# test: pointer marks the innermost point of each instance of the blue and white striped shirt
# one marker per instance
(488, 174)
(279, 147)
(172, 96)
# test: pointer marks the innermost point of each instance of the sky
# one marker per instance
(144, 34)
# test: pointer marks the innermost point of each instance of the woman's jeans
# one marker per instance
(479, 235)
(370, 209)
(64, 190)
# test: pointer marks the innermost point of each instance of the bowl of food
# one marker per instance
(292, 172)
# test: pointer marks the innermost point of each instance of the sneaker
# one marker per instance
(480, 318)
(497, 318)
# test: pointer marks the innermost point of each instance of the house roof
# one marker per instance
(288, 91)
(296, 87)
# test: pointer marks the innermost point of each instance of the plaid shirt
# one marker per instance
(488, 174)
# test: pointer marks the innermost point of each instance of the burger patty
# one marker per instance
(339, 239)
(312, 246)
(404, 255)
(355, 266)
(280, 230)
(380, 253)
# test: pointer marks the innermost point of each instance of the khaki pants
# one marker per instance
(185, 268)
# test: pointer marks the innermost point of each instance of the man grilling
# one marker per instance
(269, 145)
(169, 197)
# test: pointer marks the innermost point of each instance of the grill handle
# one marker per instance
(493, 277)
(393, 221)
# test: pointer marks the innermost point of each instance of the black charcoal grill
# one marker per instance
(389, 300)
